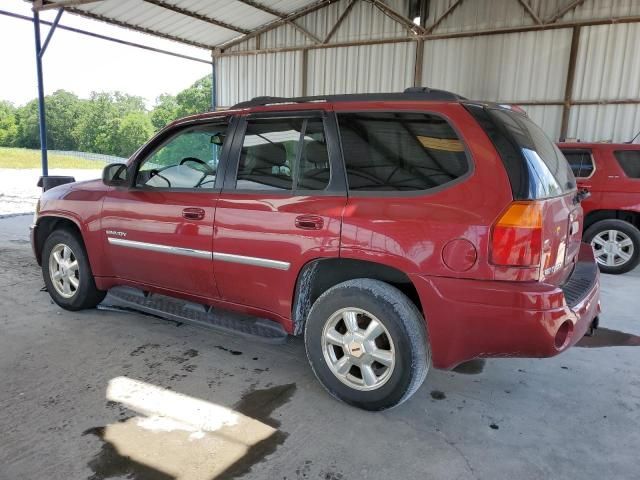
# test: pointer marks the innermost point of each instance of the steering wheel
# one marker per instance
(207, 169)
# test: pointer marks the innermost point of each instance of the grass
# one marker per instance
(24, 158)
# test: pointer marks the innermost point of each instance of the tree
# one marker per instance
(165, 111)
(99, 125)
(196, 98)
(8, 125)
(135, 129)
(63, 111)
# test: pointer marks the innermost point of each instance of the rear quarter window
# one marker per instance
(580, 161)
(393, 151)
(629, 160)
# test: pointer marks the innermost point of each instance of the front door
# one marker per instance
(281, 206)
(160, 231)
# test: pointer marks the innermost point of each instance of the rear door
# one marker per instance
(281, 206)
(159, 232)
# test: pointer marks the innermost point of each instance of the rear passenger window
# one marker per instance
(400, 151)
(284, 154)
(629, 160)
(580, 161)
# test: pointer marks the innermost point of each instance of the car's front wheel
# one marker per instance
(616, 245)
(367, 344)
(67, 273)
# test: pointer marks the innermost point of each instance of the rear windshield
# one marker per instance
(629, 160)
(550, 173)
(535, 166)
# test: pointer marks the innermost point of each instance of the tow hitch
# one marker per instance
(592, 327)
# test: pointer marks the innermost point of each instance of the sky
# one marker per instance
(81, 64)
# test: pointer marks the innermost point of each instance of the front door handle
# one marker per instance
(309, 222)
(193, 213)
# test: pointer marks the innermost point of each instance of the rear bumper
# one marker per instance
(467, 319)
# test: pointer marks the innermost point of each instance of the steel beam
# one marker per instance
(529, 10)
(440, 36)
(398, 17)
(104, 37)
(561, 12)
(277, 23)
(441, 18)
(568, 89)
(51, 30)
(341, 18)
(65, 3)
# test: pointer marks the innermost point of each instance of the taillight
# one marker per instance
(516, 238)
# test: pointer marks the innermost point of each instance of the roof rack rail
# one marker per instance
(412, 93)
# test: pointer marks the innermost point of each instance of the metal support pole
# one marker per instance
(213, 84)
(41, 110)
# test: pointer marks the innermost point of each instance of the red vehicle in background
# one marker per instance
(611, 173)
(394, 231)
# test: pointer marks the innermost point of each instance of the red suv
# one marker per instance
(393, 231)
(611, 173)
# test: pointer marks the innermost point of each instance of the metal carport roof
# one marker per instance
(206, 24)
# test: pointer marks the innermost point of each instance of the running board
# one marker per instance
(169, 308)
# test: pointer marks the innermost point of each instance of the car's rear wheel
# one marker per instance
(367, 344)
(616, 245)
(67, 273)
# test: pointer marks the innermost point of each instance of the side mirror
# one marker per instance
(115, 175)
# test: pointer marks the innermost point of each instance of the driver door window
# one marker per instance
(187, 160)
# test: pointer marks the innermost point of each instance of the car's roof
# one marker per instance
(411, 96)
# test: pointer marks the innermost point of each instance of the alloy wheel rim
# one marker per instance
(612, 248)
(358, 349)
(64, 270)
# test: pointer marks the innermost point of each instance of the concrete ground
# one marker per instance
(101, 394)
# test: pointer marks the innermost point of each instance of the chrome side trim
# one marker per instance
(258, 262)
(189, 252)
(154, 247)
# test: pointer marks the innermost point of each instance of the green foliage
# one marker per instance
(112, 123)
(8, 124)
(135, 129)
(165, 111)
(196, 98)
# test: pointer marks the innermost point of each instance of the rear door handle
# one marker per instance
(193, 213)
(309, 222)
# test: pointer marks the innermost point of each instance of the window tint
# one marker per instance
(400, 151)
(629, 160)
(549, 172)
(187, 160)
(284, 154)
(580, 161)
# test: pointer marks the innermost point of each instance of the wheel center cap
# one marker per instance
(356, 349)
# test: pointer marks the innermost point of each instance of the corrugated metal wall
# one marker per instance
(522, 67)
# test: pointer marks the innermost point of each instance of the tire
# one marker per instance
(627, 241)
(403, 339)
(70, 294)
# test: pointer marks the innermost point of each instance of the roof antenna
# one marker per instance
(634, 138)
